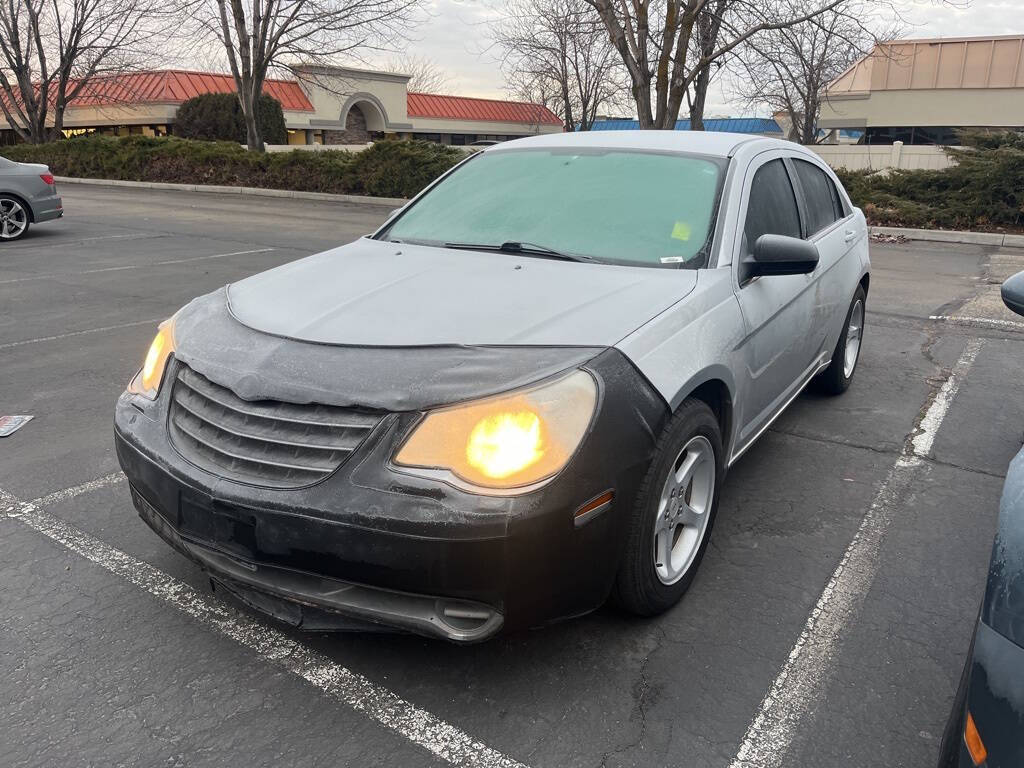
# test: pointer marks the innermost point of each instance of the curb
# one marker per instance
(953, 236)
(392, 202)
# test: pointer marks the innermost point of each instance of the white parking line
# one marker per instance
(982, 321)
(98, 270)
(151, 321)
(418, 726)
(797, 689)
(69, 493)
(937, 411)
(60, 242)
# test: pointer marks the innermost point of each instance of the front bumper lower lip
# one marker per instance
(320, 603)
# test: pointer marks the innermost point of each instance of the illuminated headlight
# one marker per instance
(147, 380)
(510, 441)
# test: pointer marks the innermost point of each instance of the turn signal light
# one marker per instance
(592, 508)
(973, 741)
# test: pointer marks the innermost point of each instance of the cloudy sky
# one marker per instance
(455, 38)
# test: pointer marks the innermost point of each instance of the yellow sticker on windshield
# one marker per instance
(681, 231)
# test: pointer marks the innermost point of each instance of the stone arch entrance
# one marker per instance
(364, 118)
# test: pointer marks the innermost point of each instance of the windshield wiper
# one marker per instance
(527, 249)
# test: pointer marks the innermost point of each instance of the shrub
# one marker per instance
(218, 117)
(984, 190)
(209, 116)
(270, 119)
(389, 168)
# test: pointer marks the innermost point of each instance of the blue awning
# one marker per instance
(727, 125)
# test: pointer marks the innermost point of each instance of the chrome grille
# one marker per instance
(266, 442)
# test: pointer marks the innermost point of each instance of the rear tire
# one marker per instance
(671, 520)
(14, 218)
(836, 379)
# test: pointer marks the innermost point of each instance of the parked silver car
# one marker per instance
(517, 398)
(28, 195)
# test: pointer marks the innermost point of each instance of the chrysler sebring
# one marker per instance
(516, 399)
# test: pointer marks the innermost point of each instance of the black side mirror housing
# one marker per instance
(1013, 293)
(780, 255)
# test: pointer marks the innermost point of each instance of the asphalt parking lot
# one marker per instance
(827, 626)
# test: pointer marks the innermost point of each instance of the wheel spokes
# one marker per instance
(13, 218)
(684, 473)
(663, 548)
(685, 499)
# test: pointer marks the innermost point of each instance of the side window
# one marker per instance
(837, 201)
(820, 194)
(771, 209)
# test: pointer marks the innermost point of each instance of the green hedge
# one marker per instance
(218, 116)
(983, 191)
(387, 169)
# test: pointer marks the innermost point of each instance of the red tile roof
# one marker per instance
(432, 105)
(173, 86)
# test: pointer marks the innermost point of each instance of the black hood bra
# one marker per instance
(260, 366)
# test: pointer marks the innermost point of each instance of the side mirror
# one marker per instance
(781, 255)
(1013, 293)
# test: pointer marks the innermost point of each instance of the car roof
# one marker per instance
(699, 142)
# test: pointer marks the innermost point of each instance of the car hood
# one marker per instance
(375, 293)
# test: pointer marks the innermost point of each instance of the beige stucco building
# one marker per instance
(921, 91)
(322, 105)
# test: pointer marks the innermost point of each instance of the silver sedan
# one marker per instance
(515, 400)
(28, 195)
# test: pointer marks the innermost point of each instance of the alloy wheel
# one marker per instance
(854, 333)
(683, 510)
(13, 218)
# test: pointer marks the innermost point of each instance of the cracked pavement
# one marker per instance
(100, 673)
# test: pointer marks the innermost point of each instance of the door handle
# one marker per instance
(850, 235)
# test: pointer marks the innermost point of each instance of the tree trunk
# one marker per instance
(253, 140)
(570, 126)
(642, 98)
(700, 95)
(252, 133)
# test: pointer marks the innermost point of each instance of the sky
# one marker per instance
(455, 31)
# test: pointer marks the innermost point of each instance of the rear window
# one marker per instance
(823, 206)
(624, 207)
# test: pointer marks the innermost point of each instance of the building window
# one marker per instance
(942, 135)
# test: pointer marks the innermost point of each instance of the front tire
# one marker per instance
(836, 379)
(14, 219)
(671, 520)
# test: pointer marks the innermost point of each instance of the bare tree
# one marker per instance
(558, 53)
(52, 51)
(285, 34)
(661, 46)
(788, 69)
(706, 30)
(426, 75)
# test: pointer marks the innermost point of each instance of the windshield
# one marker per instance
(623, 207)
